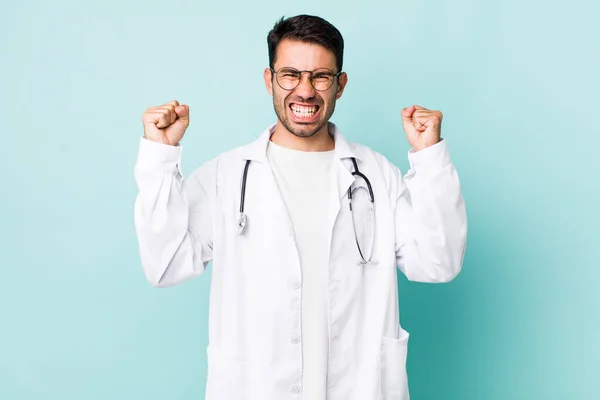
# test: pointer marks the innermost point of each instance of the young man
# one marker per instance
(305, 231)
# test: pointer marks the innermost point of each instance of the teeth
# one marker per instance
(302, 111)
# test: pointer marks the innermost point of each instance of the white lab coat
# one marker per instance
(254, 350)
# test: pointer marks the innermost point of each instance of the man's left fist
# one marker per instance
(422, 126)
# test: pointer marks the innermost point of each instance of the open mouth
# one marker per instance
(304, 113)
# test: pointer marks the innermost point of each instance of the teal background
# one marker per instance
(517, 83)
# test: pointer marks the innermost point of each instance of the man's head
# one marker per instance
(305, 43)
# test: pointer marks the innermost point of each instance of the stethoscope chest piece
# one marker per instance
(242, 221)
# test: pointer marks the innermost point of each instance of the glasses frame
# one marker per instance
(310, 79)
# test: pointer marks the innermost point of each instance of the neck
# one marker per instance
(320, 141)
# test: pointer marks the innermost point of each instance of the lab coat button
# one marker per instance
(297, 285)
(295, 339)
(295, 389)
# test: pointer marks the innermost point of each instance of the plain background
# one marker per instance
(517, 83)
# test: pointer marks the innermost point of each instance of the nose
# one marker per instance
(305, 88)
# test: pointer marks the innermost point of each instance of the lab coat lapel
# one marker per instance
(344, 153)
(344, 179)
(257, 153)
(342, 175)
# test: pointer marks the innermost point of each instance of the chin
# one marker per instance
(304, 131)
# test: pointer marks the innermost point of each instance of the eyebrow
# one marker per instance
(329, 70)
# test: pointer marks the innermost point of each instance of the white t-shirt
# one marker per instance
(306, 182)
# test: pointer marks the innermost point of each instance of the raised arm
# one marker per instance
(173, 216)
(430, 215)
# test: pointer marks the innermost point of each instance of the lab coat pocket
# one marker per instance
(392, 371)
(234, 377)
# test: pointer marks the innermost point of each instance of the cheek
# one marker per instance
(330, 99)
(279, 100)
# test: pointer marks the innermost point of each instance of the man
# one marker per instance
(305, 231)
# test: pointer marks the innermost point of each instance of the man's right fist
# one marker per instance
(166, 124)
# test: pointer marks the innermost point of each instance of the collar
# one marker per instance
(257, 150)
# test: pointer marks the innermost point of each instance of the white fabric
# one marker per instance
(255, 301)
(306, 182)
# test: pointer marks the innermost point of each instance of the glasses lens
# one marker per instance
(288, 78)
(322, 78)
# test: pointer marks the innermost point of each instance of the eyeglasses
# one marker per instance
(288, 78)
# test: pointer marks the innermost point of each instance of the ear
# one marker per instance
(268, 75)
(342, 81)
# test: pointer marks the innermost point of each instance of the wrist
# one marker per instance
(160, 140)
(422, 146)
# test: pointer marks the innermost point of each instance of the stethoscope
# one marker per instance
(367, 255)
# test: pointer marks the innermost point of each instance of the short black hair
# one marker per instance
(308, 29)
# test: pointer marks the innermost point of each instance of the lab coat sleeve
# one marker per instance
(430, 217)
(173, 216)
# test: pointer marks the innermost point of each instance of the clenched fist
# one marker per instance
(166, 124)
(422, 126)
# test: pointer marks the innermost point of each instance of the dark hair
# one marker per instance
(309, 29)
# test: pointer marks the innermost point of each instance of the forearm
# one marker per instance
(170, 251)
(431, 219)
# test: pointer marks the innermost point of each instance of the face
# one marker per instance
(304, 111)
